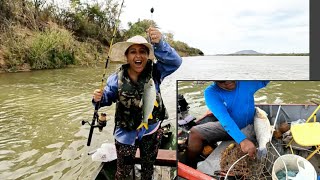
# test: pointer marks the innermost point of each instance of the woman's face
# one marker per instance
(137, 56)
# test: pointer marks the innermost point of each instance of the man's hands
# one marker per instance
(248, 147)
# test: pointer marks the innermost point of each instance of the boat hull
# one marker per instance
(288, 113)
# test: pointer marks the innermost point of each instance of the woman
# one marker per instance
(125, 87)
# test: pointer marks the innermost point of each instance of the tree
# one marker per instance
(95, 21)
(139, 28)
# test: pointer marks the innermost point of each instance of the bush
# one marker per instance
(90, 52)
(52, 48)
(13, 47)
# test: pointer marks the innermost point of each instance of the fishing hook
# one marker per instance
(151, 24)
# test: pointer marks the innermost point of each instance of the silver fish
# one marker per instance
(262, 129)
(148, 102)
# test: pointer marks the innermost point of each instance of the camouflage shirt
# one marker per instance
(128, 112)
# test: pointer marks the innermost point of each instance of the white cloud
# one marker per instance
(216, 26)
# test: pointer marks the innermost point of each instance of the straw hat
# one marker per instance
(118, 50)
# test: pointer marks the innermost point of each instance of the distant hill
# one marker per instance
(255, 53)
(247, 52)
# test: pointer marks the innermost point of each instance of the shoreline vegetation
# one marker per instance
(37, 34)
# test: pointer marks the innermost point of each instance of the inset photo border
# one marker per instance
(242, 129)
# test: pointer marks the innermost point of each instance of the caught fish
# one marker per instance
(148, 102)
(262, 129)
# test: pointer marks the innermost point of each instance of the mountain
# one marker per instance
(255, 53)
(247, 52)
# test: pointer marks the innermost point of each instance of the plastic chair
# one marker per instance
(307, 134)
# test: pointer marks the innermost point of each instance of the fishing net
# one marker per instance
(248, 168)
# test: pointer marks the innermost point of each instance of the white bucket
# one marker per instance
(294, 163)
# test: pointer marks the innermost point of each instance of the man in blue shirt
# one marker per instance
(126, 86)
(232, 103)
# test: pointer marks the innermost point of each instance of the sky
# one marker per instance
(228, 26)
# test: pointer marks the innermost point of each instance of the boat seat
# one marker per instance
(307, 134)
(165, 157)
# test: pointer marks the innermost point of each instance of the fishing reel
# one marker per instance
(101, 123)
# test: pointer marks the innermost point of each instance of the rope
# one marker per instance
(274, 126)
(225, 177)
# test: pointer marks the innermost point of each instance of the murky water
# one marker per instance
(276, 92)
(40, 115)
(245, 68)
(41, 112)
(40, 122)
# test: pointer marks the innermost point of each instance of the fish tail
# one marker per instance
(156, 104)
(145, 125)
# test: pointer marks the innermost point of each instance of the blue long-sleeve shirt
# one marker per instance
(234, 109)
(168, 61)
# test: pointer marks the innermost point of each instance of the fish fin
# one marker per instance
(150, 116)
(262, 153)
(156, 104)
(141, 103)
(145, 125)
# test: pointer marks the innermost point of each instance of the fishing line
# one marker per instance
(152, 10)
(151, 23)
(110, 48)
(97, 106)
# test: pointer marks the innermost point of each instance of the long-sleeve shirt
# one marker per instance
(234, 109)
(168, 61)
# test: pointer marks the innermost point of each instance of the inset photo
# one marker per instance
(248, 129)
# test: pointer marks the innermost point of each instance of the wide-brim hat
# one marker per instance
(118, 50)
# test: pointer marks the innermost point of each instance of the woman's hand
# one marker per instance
(97, 94)
(154, 34)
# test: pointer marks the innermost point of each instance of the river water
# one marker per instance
(41, 111)
(245, 68)
(40, 122)
(276, 92)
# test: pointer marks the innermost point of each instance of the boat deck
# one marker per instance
(165, 157)
(287, 113)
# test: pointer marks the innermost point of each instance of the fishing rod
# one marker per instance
(101, 121)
